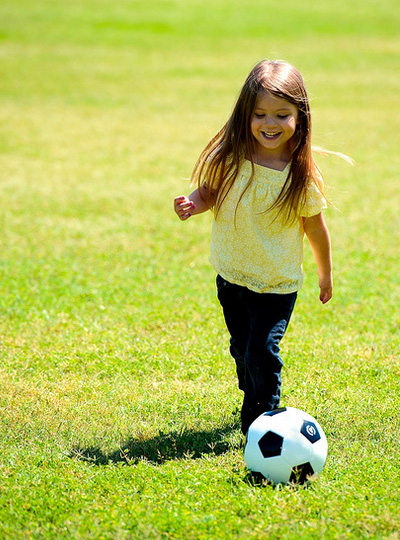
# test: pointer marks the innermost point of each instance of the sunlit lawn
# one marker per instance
(119, 406)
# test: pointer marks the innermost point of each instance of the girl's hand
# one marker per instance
(183, 207)
(326, 289)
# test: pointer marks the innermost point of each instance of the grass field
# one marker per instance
(119, 407)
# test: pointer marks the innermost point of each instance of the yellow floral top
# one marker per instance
(259, 250)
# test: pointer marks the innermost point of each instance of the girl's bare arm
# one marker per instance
(318, 236)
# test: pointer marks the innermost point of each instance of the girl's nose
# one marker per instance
(270, 120)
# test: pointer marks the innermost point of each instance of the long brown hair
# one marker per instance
(218, 165)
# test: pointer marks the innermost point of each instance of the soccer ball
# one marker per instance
(286, 445)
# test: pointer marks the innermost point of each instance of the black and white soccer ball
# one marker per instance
(286, 445)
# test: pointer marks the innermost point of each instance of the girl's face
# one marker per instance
(273, 124)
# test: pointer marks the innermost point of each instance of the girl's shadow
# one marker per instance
(185, 443)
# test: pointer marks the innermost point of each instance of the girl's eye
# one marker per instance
(258, 115)
(283, 115)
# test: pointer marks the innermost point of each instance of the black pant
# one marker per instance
(256, 323)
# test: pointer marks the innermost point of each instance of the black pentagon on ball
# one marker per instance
(270, 444)
(310, 431)
(301, 473)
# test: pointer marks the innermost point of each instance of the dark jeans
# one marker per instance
(256, 323)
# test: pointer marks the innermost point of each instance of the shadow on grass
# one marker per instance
(186, 443)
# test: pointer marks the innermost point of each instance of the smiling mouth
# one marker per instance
(268, 135)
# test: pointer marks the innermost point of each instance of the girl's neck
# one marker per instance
(277, 163)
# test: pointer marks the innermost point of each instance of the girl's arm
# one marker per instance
(189, 206)
(318, 236)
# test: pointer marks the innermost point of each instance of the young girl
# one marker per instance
(259, 178)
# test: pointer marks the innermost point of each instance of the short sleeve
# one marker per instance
(315, 202)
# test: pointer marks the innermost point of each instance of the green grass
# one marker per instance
(119, 407)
